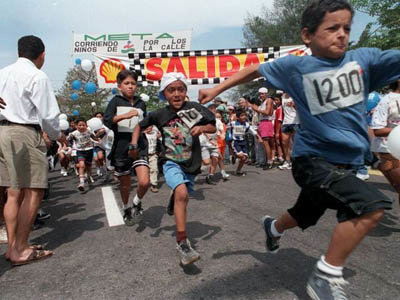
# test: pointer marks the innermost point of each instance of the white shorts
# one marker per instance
(207, 152)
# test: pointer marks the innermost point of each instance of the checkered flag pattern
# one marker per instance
(138, 65)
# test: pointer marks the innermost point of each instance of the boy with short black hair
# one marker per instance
(180, 124)
(240, 145)
(329, 89)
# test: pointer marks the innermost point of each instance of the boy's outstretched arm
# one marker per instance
(243, 76)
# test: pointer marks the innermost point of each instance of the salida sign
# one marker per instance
(122, 43)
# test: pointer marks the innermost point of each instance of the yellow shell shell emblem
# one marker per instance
(110, 68)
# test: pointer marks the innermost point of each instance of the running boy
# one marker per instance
(83, 139)
(240, 146)
(122, 114)
(180, 124)
(329, 89)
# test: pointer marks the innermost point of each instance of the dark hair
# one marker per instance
(99, 112)
(212, 106)
(80, 120)
(315, 12)
(122, 75)
(30, 47)
(240, 111)
(394, 85)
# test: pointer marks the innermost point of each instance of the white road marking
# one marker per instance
(113, 212)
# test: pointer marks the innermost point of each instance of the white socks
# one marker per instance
(275, 232)
(136, 200)
(323, 266)
(125, 206)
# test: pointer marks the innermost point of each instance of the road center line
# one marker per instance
(113, 212)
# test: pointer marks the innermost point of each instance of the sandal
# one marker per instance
(36, 255)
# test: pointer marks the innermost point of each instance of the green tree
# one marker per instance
(276, 26)
(84, 102)
(385, 32)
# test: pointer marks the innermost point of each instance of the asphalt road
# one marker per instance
(95, 261)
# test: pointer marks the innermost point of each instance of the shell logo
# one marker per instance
(110, 68)
(298, 52)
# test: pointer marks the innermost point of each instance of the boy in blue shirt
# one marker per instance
(329, 89)
(240, 145)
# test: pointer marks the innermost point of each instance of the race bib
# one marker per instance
(239, 130)
(330, 90)
(190, 117)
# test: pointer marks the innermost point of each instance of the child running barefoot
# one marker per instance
(329, 89)
(121, 116)
(180, 124)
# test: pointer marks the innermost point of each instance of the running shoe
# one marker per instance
(268, 167)
(240, 173)
(42, 215)
(154, 188)
(209, 180)
(128, 217)
(285, 166)
(187, 253)
(225, 176)
(324, 286)
(272, 243)
(137, 214)
(81, 186)
(171, 203)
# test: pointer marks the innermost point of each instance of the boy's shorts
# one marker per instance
(326, 185)
(241, 147)
(122, 162)
(174, 176)
(289, 128)
(207, 152)
(98, 149)
(86, 156)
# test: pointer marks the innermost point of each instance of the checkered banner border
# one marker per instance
(138, 64)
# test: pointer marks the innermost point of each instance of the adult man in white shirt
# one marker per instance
(31, 107)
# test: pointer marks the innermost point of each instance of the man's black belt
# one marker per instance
(8, 123)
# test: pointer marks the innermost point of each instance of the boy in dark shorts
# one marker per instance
(122, 114)
(180, 124)
(329, 89)
(83, 139)
(240, 144)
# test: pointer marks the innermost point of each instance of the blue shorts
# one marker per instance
(289, 128)
(174, 176)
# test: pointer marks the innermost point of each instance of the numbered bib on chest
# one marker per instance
(330, 90)
(190, 117)
(128, 125)
(239, 130)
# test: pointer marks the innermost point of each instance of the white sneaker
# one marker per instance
(225, 175)
(63, 172)
(362, 176)
(285, 166)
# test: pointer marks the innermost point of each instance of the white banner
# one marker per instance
(124, 43)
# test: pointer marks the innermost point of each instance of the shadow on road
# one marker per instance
(196, 230)
(287, 270)
(386, 226)
(152, 218)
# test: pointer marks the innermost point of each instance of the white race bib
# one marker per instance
(128, 125)
(330, 90)
(190, 117)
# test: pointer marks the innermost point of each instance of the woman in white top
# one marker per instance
(384, 119)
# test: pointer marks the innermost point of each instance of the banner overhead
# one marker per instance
(205, 66)
(200, 66)
(124, 43)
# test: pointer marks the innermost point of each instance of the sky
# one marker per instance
(215, 24)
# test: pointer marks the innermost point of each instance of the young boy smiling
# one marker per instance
(329, 89)
(180, 124)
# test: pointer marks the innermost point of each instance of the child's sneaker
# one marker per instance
(187, 253)
(285, 166)
(128, 217)
(272, 243)
(154, 188)
(209, 180)
(81, 186)
(137, 214)
(240, 173)
(225, 176)
(324, 286)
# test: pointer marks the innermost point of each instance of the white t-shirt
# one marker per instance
(289, 112)
(386, 114)
(83, 141)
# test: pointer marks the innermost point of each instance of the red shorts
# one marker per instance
(266, 129)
